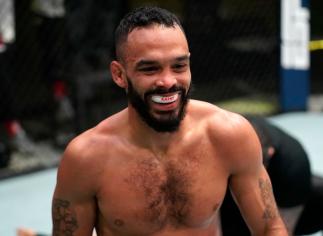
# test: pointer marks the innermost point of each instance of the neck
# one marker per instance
(144, 135)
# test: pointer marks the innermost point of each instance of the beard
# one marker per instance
(173, 118)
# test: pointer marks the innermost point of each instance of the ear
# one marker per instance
(117, 73)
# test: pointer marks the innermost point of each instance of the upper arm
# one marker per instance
(73, 206)
(250, 184)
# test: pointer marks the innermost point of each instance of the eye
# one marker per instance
(180, 67)
(148, 69)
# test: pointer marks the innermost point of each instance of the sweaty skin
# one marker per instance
(124, 178)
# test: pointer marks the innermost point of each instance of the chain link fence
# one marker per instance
(62, 50)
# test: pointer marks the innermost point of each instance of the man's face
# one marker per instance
(157, 69)
(168, 121)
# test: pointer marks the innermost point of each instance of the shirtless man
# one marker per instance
(162, 165)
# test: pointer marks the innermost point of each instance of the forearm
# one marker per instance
(264, 218)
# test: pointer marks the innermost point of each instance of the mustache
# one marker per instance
(164, 91)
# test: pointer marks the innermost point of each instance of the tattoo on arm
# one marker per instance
(64, 218)
(268, 199)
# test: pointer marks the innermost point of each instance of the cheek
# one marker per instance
(185, 81)
(142, 85)
(185, 78)
(138, 89)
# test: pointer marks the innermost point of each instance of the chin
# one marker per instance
(167, 122)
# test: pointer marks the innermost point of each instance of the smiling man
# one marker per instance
(154, 53)
(162, 165)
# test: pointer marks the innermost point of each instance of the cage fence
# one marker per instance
(56, 68)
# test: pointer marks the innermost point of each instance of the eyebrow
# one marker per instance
(182, 58)
(145, 63)
(153, 62)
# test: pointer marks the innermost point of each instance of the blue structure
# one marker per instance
(295, 60)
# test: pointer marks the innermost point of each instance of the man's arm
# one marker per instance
(251, 186)
(73, 205)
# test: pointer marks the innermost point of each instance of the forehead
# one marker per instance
(155, 42)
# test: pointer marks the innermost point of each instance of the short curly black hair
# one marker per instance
(143, 17)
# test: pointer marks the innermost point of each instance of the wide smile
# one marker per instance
(165, 102)
(164, 99)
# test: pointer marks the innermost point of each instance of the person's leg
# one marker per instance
(7, 90)
(16, 135)
(311, 220)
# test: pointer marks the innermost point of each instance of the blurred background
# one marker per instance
(55, 80)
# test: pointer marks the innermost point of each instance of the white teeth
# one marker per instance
(164, 99)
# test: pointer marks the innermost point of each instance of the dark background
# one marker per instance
(234, 46)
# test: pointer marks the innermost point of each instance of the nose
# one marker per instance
(166, 80)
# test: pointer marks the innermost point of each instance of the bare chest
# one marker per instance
(147, 195)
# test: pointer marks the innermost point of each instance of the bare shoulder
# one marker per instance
(84, 157)
(86, 146)
(220, 121)
(231, 134)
